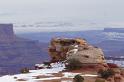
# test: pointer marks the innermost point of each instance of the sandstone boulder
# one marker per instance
(89, 55)
(76, 48)
(60, 46)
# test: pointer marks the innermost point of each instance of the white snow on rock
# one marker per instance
(119, 63)
(7, 78)
(72, 75)
(50, 78)
(29, 77)
(89, 75)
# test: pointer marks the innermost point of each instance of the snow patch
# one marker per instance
(29, 77)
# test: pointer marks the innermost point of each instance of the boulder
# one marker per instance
(91, 55)
(76, 48)
(60, 46)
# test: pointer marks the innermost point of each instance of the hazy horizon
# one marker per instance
(79, 14)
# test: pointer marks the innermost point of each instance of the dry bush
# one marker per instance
(73, 64)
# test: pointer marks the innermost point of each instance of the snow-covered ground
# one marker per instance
(31, 77)
(114, 36)
(119, 63)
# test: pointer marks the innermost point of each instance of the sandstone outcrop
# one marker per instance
(66, 48)
(60, 46)
(88, 55)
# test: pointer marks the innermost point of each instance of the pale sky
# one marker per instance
(101, 12)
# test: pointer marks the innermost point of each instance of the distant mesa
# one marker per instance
(15, 50)
(6, 33)
(120, 30)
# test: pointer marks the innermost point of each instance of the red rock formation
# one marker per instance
(112, 65)
(60, 46)
(77, 48)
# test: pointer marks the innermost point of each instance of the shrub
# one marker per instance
(73, 64)
(48, 64)
(78, 78)
(100, 80)
(106, 73)
(24, 70)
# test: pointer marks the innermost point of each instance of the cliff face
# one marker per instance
(6, 33)
(65, 48)
(15, 50)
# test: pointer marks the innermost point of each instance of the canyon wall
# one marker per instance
(15, 50)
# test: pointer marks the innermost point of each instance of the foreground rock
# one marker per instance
(90, 55)
(60, 46)
(79, 49)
